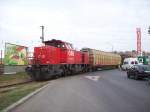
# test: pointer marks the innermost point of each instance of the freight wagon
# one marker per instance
(101, 59)
(58, 58)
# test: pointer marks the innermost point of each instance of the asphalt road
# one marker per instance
(108, 91)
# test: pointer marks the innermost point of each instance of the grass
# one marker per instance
(13, 78)
(12, 95)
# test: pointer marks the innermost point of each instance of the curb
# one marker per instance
(9, 108)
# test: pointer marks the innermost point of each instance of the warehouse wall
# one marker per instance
(14, 69)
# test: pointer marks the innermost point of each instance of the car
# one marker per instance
(139, 71)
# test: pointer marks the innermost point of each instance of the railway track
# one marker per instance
(20, 83)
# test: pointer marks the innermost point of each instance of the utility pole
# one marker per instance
(149, 30)
(1, 53)
(42, 37)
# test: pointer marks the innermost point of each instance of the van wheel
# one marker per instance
(136, 77)
(128, 75)
(122, 69)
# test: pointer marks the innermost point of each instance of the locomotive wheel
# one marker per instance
(90, 70)
(36, 75)
(64, 72)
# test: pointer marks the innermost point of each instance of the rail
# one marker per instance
(15, 84)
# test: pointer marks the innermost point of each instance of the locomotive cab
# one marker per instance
(65, 48)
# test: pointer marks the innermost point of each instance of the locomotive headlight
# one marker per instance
(43, 56)
(29, 66)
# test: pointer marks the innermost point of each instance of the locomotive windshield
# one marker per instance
(69, 46)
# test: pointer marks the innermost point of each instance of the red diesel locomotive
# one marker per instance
(58, 58)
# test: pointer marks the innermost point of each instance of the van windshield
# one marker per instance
(125, 63)
(136, 62)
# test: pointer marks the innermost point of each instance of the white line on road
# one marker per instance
(94, 78)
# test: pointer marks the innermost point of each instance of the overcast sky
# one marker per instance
(99, 24)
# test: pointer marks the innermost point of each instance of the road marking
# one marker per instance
(94, 78)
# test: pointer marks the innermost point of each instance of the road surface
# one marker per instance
(102, 91)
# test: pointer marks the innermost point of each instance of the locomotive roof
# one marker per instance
(55, 41)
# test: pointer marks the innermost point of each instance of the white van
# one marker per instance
(129, 62)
